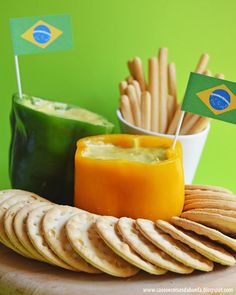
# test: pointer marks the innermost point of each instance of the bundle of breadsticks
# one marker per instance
(152, 104)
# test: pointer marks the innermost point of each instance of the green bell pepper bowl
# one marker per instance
(43, 144)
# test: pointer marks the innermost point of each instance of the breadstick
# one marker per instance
(172, 82)
(172, 99)
(126, 109)
(220, 76)
(193, 118)
(138, 73)
(123, 87)
(186, 118)
(130, 79)
(153, 89)
(200, 125)
(202, 63)
(134, 105)
(170, 107)
(162, 57)
(146, 110)
(130, 65)
(173, 124)
(189, 120)
(137, 89)
(207, 73)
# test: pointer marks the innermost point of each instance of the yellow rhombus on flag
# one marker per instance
(219, 99)
(47, 32)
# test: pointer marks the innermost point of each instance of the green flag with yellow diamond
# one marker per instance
(210, 97)
(41, 34)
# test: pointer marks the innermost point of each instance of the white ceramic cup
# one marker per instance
(192, 145)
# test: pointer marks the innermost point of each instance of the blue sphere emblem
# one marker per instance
(219, 99)
(42, 34)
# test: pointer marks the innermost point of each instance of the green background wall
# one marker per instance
(106, 34)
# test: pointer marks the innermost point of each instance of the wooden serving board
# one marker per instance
(19, 275)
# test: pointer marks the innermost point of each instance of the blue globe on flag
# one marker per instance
(42, 34)
(219, 99)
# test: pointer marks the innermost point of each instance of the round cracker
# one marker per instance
(53, 226)
(222, 223)
(34, 231)
(106, 228)
(223, 212)
(201, 229)
(225, 205)
(146, 249)
(9, 229)
(203, 187)
(19, 225)
(189, 202)
(189, 192)
(18, 196)
(200, 244)
(173, 247)
(206, 196)
(9, 193)
(84, 239)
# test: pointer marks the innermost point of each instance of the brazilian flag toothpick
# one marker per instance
(40, 34)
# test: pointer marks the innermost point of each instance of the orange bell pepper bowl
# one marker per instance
(122, 187)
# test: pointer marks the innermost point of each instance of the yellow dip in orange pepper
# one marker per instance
(129, 175)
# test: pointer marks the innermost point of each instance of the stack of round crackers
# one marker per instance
(79, 241)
